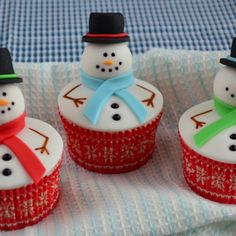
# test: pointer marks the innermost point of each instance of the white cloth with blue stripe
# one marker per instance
(153, 200)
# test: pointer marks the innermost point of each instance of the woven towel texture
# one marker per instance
(153, 200)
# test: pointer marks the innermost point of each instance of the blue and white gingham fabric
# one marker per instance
(51, 30)
(153, 200)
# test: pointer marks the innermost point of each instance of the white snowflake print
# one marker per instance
(218, 180)
(7, 210)
(232, 182)
(43, 199)
(73, 143)
(27, 207)
(128, 151)
(109, 154)
(142, 148)
(189, 167)
(201, 175)
(91, 152)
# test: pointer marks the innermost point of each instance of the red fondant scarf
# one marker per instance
(23, 153)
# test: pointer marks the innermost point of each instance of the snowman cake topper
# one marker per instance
(30, 157)
(12, 119)
(110, 116)
(207, 134)
(107, 68)
(224, 99)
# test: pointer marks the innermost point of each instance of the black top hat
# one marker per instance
(230, 60)
(7, 74)
(106, 28)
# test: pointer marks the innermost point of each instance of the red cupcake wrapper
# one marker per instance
(210, 179)
(111, 152)
(28, 205)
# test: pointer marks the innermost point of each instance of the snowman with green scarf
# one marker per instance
(107, 96)
(207, 134)
(210, 127)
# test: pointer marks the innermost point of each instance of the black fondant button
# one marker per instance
(6, 157)
(114, 105)
(116, 117)
(232, 148)
(233, 136)
(6, 172)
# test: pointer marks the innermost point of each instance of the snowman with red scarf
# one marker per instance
(29, 148)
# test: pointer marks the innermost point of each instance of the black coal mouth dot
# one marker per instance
(8, 108)
(116, 67)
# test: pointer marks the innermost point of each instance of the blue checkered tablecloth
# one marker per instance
(41, 31)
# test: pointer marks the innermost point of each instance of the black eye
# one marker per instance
(113, 54)
(105, 54)
(4, 94)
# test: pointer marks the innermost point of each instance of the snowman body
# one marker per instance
(105, 61)
(219, 148)
(116, 115)
(222, 147)
(39, 136)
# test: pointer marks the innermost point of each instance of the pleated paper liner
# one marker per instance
(210, 179)
(28, 205)
(111, 152)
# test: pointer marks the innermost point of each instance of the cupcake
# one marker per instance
(109, 116)
(207, 133)
(30, 157)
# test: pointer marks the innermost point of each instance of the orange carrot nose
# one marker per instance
(4, 102)
(108, 62)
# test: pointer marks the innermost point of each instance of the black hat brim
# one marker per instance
(10, 81)
(227, 62)
(105, 40)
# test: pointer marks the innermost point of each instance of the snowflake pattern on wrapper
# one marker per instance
(111, 152)
(209, 178)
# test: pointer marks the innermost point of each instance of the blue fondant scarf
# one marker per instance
(104, 89)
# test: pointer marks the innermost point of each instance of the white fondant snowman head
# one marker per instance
(225, 85)
(12, 103)
(225, 80)
(106, 54)
(106, 60)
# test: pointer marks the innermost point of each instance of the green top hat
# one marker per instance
(7, 74)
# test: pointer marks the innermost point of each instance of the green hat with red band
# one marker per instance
(7, 74)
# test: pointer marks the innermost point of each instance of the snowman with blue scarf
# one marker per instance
(107, 96)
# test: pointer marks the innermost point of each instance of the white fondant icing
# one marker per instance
(93, 56)
(19, 177)
(225, 85)
(16, 104)
(218, 147)
(105, 122)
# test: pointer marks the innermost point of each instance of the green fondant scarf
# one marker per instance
(227, 120)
